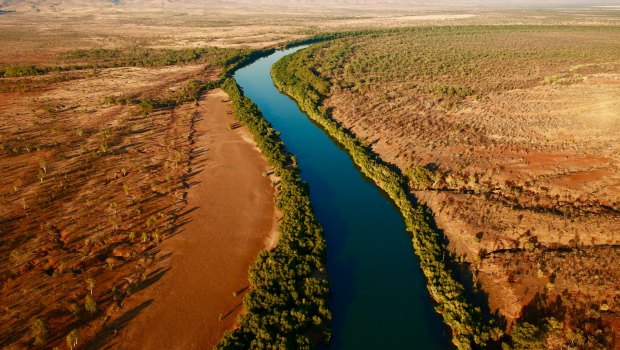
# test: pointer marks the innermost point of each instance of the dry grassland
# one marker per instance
(510, 136)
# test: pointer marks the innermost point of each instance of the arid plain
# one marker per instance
(110, 164)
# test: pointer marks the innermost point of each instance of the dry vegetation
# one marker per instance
(95, 166)
(510, 135)
(41, 29)
(95, 145)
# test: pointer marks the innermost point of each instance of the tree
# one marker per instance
(90, 304)
(421, 177)
(72, 339)
(39, 331)
(526, 336)
(43, 165)
(75, 309)
(90, 284)
(146, 106)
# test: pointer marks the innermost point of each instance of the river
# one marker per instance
(379, 298)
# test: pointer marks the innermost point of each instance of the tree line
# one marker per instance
(229, 59)
(287, 302)
(293, 75)
(192, 89)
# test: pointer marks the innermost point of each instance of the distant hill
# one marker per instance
(76, 6)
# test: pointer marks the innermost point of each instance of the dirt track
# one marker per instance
(231, 215)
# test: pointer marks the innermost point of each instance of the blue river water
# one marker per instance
(379, 298)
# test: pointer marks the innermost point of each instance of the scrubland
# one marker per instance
(98, 150)
(39, 30)
(95, 160)
(509, 135)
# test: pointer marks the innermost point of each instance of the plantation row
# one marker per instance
(293, 76)
(287, 302)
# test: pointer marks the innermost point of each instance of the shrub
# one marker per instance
(421, 177)
(90, 304)
(13, 71)
(72, 339)
(39, 331)
(526, 336)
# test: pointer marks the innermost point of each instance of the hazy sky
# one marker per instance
(436, 2)
(358, 5)
(414, 3)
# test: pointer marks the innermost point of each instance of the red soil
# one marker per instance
(231, 216)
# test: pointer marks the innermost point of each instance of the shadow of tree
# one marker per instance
(151, 278)
(103, 340)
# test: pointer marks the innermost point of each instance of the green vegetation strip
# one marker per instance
(229, 59)
(286, 307)
(192, 89)
(293, 76)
